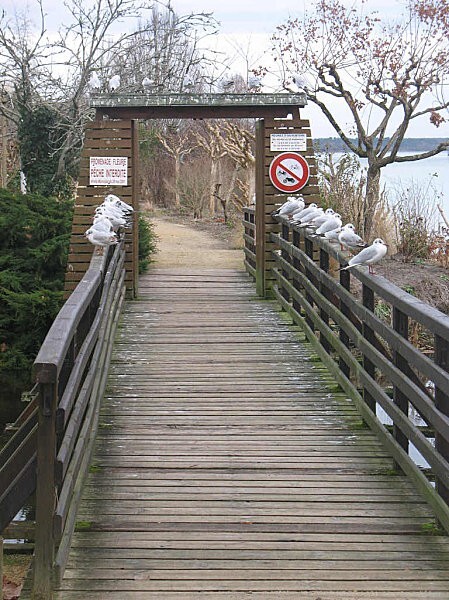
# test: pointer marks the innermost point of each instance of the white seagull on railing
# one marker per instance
(114, 83)
(289, 207)
(119, 204)
(94, 83)
(101, 239)
(330, 224)
(349, 239)
(306, 211)
(368, 256)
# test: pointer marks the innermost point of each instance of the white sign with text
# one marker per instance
(288, 142)
(108, 170)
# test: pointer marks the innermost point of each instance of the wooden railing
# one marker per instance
(249, 238)
(70, 372)
(366, 330)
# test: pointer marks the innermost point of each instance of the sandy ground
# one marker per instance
(182, 246)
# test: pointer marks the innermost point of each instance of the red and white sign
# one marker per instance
(289, 172)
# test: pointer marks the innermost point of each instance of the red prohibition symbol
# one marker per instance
(289, 172)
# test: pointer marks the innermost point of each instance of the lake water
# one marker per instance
(430, 172)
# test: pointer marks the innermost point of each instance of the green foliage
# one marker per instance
(40, 138)
(148, 141)
(34, 239)
(147, 243)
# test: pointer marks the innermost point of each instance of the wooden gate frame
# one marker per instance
(268, 198)
(115, 133)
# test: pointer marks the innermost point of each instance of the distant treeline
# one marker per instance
(334, 144)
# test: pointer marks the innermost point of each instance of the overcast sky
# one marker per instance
(246, 26)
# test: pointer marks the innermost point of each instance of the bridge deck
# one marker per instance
(229, 466)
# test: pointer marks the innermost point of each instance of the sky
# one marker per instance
(245, 28)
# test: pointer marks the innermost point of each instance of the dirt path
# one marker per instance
(182, 246)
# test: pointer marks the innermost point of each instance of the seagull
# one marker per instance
(330, 224)
(332, 236)
(118, 203)
(300, 82)
(254, 83)
(368, 256)
(147, 84)
(102, 223)
(349, 239)
(306, 221)
(101, 239)
(322, 218)
(228, 85)
(114, 83)
(188, 83)
(115, 217)
(94, 83)
(303, 213)
(289, 207)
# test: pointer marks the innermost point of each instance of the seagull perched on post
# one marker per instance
(349, 239)
(330, 224)
(289, 207)
(368, 256)
(114, 83)
(119, 204)
(147, 84)
(94, 83)
(304, 212)
(101, 239)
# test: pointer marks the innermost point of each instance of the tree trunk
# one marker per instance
(177, 176)
(214, 179)
(372, 198)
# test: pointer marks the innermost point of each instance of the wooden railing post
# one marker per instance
(296, 241)
(368, 334)
(345, 281)
(308, 247)
(324, 265)
(285, 234)
(442, 403)
(400, 324)
(45, 493)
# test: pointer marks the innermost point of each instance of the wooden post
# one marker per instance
(45, 493)
(308, 248)
(324, 265)
(285, 234)
(1, 568)
(268, 197)
(368, 334)
(260, 208)
(400, 324)
(108, 138)
(442, 404)
(296, 241)
(135, 194)
(345, 281)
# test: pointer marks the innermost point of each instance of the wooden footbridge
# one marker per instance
(188, 440)
(227, 463)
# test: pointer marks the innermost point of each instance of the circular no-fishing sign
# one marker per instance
(289, 172)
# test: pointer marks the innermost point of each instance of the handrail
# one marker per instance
(374, 361)
(70, 370)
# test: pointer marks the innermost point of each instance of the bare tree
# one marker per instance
(178, 144)
(210, 138)
(384, 76)
(96, 37)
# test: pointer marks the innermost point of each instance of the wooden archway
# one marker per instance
(113, 134)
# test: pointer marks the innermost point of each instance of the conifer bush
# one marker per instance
(34, 241)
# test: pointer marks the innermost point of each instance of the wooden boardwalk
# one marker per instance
(229, 466)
